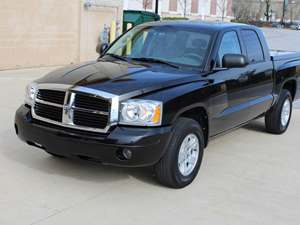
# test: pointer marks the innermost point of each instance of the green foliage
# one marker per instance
(175, 18)
(252, 22)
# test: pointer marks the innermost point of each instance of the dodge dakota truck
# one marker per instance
(158, 94)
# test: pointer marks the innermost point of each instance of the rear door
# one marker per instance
(259, 73)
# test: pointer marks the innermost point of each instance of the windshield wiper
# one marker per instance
(116, 56)
(153, 60)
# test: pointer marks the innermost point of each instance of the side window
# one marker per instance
(253, 46)
(229, 45)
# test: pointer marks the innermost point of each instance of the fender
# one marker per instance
(188, 108)
(280, 88)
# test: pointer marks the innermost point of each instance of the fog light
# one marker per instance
(127, 153)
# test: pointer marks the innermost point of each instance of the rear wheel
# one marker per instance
(278, 118)
(181, 162)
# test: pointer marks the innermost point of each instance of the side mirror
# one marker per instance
(234, 61)
(100, 49)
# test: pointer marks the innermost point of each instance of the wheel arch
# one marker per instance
(291, 86)
(199, 114)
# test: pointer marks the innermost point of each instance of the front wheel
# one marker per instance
(278, 118)
(181, 162)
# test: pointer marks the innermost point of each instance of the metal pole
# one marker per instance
(185, 2)
(283, 12)
(156, 6)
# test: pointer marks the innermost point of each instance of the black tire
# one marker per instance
(167, 169)
(273, 116)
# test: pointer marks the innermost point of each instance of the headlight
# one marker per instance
(141, 112)
(30, 93)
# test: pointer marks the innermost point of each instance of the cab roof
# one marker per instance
(198, 24)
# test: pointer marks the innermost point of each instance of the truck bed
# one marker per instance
(279, 55)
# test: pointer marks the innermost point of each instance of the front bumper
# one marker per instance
(147, 145)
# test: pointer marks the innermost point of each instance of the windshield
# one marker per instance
(164, 43)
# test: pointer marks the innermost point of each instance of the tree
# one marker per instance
(222, 7)
(260, 10)
(147, 4)
(183, 4)
(296, 10)
(246, 11)
(268, 10)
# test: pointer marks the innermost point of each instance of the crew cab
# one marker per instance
(158, 94)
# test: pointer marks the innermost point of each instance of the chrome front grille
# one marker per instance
(87, 102)
(48, 111)
(78, 108)
(89, 119)
(90, 111)
(52, 96)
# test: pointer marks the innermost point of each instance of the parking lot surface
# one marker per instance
(282, 39)
(247, 177)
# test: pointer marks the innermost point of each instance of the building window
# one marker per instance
(147, 4)
(173, 5)
(195, 6)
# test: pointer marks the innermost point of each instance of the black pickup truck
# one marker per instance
(158, 94)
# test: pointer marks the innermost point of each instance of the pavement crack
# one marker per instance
(64, 209)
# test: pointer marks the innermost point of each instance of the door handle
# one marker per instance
(243, 78)
(250, 72)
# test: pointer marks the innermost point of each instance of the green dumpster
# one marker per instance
(135, 17)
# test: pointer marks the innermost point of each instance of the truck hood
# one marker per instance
(120, 77)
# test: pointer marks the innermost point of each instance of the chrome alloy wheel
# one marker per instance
(188, 154)
(286, 112)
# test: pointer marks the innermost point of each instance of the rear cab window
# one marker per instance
(253, 46)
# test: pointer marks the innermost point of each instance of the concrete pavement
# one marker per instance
(247, 177)
(282, 39)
